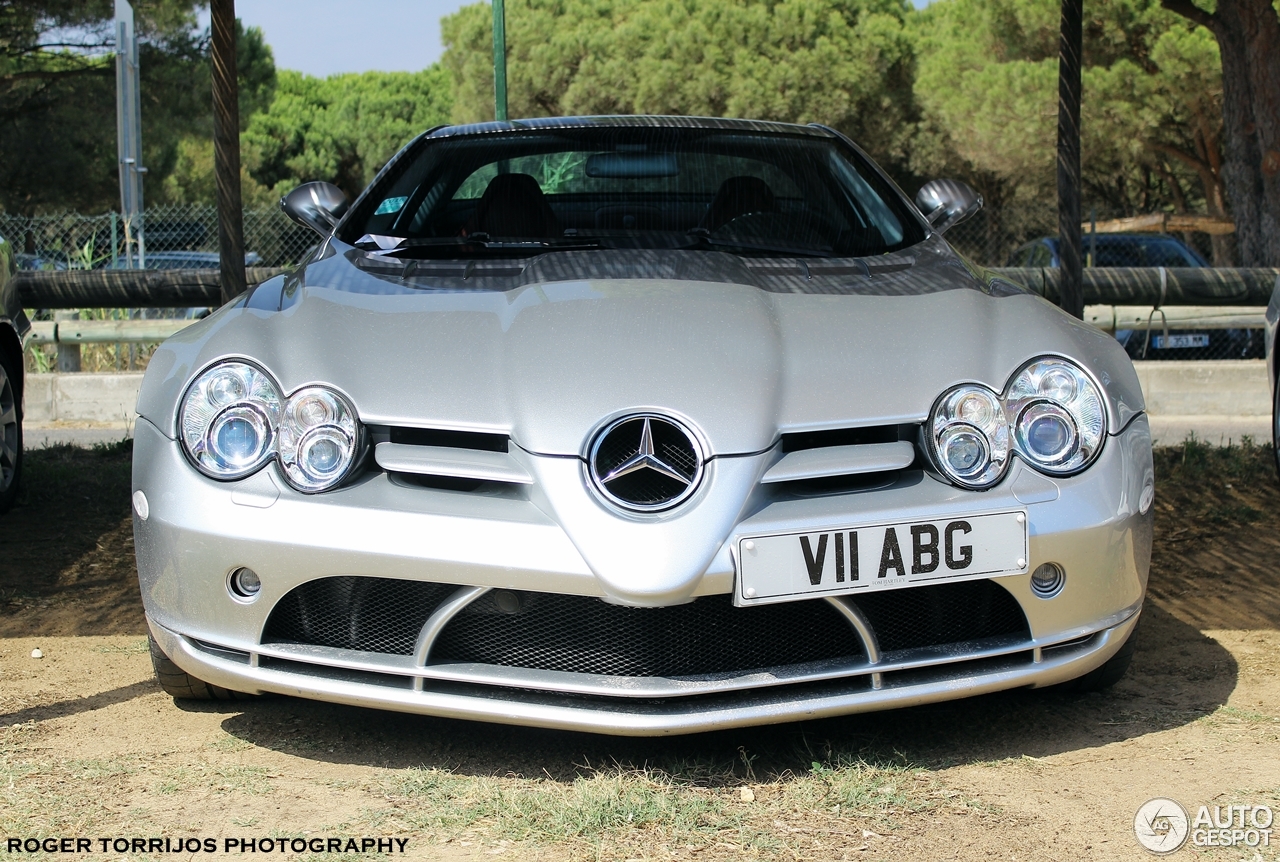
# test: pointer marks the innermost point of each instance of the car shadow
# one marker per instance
(1178, 675)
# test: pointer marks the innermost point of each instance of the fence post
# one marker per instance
(68, 354)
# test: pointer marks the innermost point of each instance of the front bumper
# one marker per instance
(198, 531)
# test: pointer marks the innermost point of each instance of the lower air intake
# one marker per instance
(709, 635)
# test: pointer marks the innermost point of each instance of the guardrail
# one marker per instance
(1108, 318)
(128, 288)
(1157, 285)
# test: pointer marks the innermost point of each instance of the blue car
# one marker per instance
(1113, 249)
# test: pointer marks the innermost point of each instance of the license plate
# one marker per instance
(886, 556)
(1164, 342)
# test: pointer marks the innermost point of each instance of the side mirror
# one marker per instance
(318, 206)
(946, 203)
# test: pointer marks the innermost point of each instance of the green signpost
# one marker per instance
(499, 60)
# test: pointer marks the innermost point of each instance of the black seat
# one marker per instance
(513, 205)
(737, 196)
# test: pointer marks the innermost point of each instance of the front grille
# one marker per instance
(579, 634)
(585, 635)
(942, 614)
(372, 614)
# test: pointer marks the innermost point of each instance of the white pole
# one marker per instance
(129, 130)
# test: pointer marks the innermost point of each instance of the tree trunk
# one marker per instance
(1248, 34)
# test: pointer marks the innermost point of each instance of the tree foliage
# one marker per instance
(57, 97)
(845, 63)
(343, 128)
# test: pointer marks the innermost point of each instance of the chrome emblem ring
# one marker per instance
(645, 463)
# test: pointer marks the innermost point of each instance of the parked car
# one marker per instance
(1114, 249)
(13, 327)
(639, 425)
(178, 260)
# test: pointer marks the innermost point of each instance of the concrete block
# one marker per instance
(1227, 387)
(94, 399)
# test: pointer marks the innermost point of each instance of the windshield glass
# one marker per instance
(745, 192)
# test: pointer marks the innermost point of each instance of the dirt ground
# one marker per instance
(90, 747)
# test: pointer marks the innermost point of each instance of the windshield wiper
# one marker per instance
(400, 246)
(704, 240)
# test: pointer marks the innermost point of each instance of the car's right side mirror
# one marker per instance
(946, 203)
(318, 206)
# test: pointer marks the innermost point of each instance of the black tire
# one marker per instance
(10, 432)
(178, 683)
(1110, 673)
(1275, 420)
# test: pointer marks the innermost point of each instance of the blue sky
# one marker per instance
(325, 37)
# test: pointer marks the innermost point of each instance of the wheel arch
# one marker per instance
(11, 347)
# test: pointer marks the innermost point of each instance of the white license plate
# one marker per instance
(866, 557)
(1166, 342)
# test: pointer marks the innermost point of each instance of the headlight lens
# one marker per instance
(228, 420)
(1059, 418)
(318, 439)
(969, 435)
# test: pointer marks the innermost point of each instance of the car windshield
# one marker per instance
(746, 192)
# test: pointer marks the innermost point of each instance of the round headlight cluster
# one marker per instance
(233, 421)
(1052, 410)
(228, 420)
(317, 439)
(970, 436)
(1057, 414)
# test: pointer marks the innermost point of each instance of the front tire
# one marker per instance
(177, 683)
(1110, 673)
(10, 433)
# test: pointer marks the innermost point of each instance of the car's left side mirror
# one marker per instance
(946, 203)
(318, 206)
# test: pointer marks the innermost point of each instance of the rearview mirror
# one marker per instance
(946, 203)
(318, 206)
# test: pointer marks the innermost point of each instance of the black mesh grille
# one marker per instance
(942, 614)
(372, 614)
(585, 635)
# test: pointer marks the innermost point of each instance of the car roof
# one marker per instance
(640, 121)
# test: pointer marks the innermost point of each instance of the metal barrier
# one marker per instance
(128, 288)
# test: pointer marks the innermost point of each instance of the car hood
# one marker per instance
(548, 353)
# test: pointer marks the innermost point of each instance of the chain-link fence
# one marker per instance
(174, 237)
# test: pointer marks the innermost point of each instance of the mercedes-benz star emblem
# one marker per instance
(645, 463)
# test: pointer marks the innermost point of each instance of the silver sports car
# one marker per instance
(639, 425)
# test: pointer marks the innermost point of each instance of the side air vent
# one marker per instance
(821, 461)
(449, 439)
(448, 460)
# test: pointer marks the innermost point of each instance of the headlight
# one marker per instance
(228, 420)
(969, 436)
(1058, 416)
(318, 439)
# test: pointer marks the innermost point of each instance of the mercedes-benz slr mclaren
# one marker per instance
(639, 425)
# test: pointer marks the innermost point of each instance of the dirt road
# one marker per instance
(89, 747)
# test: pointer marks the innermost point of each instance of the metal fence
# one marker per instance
(175, 237)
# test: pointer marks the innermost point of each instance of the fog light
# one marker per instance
(245, 584)
(1047, 580)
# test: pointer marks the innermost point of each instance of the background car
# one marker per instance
(178, 260)
(1113, 249)
(639, 425)
(1123, 249)
(13, 326)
